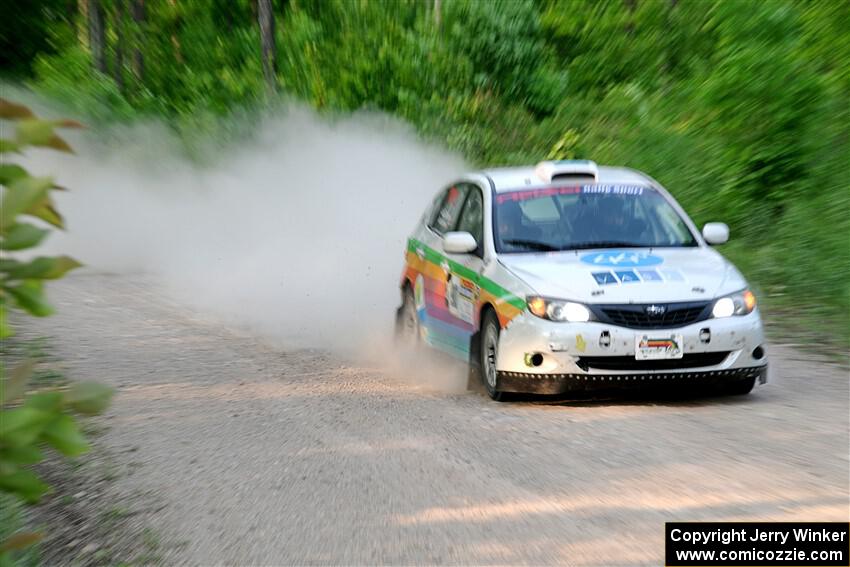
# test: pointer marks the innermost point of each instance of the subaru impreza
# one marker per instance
(572, 276)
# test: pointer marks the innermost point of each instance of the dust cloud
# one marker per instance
(296, 234)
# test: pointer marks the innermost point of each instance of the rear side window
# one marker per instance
(446, 213)
(472, 218)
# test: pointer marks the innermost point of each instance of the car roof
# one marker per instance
(529, 177)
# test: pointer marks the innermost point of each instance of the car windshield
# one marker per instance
(589, 216)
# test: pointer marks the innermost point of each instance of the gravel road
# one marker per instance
(251, 453)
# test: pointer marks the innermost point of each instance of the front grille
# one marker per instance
(627, 363)
(634, 316)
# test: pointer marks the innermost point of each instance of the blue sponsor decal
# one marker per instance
(649, 275)
(604, 278)
(627, 276)
(673, 275)
(622, 258)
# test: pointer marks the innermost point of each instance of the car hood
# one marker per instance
(633, 275)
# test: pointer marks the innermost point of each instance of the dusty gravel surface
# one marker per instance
(257, 454)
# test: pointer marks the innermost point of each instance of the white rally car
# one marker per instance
(570, 275)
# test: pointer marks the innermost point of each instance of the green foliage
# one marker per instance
(32, 419)
(740, 107)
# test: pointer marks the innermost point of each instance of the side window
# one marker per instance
(472, 217)
(446, 214)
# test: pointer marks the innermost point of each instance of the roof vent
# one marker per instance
(574, 169)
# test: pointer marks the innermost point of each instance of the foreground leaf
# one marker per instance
(5, 330)
(89, 398)
(15, 385)
(26, 455)
(30, 298)
(10, 172)
(23, 235)
(33, 132)
(22, 426)
(13, 111)
(46, 211)
(62, 433)
(20, 541)
(22, 194)
(50, 402)
(23, 483)
(43, 268)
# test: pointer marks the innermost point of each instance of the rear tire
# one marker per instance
(489, 354)
(407, 322)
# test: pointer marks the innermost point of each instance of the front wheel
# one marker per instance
(489, 354)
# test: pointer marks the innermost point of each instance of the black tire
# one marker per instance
(739, 388)
(407, 321)
(488, 352)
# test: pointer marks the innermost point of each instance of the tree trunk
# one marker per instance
(137, 11)
(118, 69)
(266, 20)
(97, 36)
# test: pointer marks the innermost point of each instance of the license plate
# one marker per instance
(655, 346)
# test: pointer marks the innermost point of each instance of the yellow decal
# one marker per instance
(580, 344)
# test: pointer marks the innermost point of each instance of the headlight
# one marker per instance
(558, 309)
(741, 303)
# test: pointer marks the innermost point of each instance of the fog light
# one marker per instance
(705, 335)
(758, 353)
(533, 359)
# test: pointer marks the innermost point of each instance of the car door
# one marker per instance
(439, 326)
(450, 289)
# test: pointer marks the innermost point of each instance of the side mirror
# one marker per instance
(459, 243)
(715, 232)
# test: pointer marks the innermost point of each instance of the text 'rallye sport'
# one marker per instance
(572, 276)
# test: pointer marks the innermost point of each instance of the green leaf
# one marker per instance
(23, 235)
(29, 297)
(12, 111)
(62, 433)
(43, 268)
(7, 146)
(88, 398)
(21, 195)
(22, 426)
(46, 211)
(33, 132)
(5, 330)
(10, 172)
(24, 455)
(37, 132)
(13, 387)
(20, 540)
(23, 483)
(50, 402)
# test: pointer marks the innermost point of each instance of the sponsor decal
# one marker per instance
(627, 276)
(580, 344)
(622, 258)
(614, 189)
(673, 275)
(663, 343)
(604, 278)
(536, 193)
(649, 275)
(461, 296)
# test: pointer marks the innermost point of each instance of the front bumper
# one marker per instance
(531, 383)
(592, 355)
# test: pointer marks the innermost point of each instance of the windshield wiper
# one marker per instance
(604, 244)
(533, 244)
